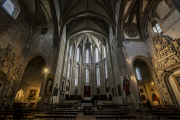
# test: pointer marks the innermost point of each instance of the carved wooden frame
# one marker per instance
(174, 76)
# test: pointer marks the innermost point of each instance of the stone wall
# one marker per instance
(14, 37)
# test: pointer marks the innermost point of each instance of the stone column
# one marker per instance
(176, 4)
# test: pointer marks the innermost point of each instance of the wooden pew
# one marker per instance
(9, 115)
(12, 112)
(173, 117)
(24, 110)
(152, 110)
(165, 114)
(109, 113)
(72, 113)
(39, 116)
(114, 117)
(64, 111)
(63, 106)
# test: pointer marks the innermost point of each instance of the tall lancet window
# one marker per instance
(97, 55)
(77, 54)
(106, 72)
(70, 51)
(98, 74)
(69, 69)
(87, 56)
(77, 74)
(138, 74)
(87, 75)
(104, 52)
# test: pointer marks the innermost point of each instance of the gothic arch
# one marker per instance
(30, 57)
(143, 58)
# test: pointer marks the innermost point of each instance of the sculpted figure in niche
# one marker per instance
(67, 85)
(107, 86)
(107, 89)
(55, 92)
(98, 91)
(126, 86)
(76, 91)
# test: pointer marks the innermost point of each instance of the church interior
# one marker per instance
(90, 59)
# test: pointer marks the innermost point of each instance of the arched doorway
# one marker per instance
(147, 89)
(31, 81)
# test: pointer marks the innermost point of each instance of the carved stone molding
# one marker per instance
(165, 60)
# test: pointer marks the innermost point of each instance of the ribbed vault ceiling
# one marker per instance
(88, 19)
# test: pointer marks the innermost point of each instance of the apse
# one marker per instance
(88, 50)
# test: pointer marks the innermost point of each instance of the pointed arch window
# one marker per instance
(77, 54)
(87, 56)
(69, 69)
(138, 74)
(11, 7)
(70, 51)
(104, 52)
(106, 72)
(98, 74)
(77, 74)
(87, 75)
(97, 55)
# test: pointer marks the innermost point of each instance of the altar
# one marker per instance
(87, 98)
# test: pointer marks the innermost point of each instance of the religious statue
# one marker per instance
(107, 89)
(126, 86)
(49, 85)
(76, 91)
(98, 91)
(55, 92)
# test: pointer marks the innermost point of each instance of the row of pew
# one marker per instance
(167, 112)
(98, 114)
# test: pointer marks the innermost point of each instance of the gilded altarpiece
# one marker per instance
(165, 60)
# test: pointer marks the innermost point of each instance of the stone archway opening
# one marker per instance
(31, 82)
(145, 81)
